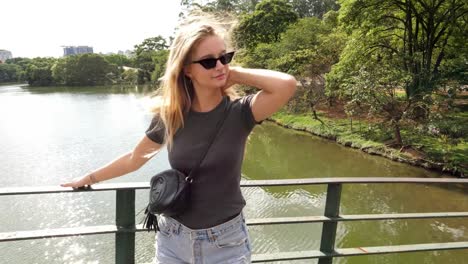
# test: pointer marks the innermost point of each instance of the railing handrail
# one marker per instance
(244, 183)
(125, 226)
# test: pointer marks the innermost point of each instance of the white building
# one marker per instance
(74, 50)
(5, 55)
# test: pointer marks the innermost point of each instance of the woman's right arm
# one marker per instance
(126, 163)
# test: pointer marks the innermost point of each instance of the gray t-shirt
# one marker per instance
(215, 196)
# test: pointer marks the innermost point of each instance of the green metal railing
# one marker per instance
(125, 227)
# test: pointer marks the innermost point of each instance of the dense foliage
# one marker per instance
(399, 61)
(147, 65)
(397, 68)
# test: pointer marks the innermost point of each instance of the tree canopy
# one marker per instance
(419, 33)
(265, 24)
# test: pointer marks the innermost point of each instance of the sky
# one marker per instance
(38, 28)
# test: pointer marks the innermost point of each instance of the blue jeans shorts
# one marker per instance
(225, 243)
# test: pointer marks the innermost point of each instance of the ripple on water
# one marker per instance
(456, 233)
(262, 203)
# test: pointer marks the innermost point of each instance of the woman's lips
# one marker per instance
(220, 77)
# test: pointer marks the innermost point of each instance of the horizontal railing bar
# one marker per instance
(67, 232)
(348, 180)
(105, 229)
(58, 232)
(282, 256)
(342, 218)
(401, 216)
(58, 189)
(347, 252)
(245, 183)
(343, 252)
(287, 220)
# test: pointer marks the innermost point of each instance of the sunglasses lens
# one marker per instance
(208, 63)
(211, 62)
(226, 58)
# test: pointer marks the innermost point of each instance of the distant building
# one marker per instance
(74, 50)
(5, 55)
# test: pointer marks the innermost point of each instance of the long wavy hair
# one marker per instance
(176, 90)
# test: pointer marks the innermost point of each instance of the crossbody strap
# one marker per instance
(219, 125)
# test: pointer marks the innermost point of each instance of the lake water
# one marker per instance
(50, 135)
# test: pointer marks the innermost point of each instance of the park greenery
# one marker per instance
(386, 74)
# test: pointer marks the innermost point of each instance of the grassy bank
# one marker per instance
(11, 83)
(436, 152)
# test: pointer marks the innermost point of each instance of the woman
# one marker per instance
(195, 88)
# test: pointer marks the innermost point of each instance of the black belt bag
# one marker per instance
(170, 189)
(170, 193)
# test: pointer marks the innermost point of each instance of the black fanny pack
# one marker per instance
(169, 193)
(170, 189)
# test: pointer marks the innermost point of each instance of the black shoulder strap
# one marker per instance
(219, 125)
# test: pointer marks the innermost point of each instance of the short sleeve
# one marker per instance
(156, 130)
(247, 115)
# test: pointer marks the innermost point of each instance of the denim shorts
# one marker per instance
(225, 243)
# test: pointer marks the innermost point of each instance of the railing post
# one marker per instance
(125, 219)
(332, 209)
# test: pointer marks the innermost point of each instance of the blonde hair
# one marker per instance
(176, 90)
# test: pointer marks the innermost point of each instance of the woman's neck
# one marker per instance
(206, 101)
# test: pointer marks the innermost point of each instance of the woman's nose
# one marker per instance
(219, 65)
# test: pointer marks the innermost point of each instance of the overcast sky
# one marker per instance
(38, 28)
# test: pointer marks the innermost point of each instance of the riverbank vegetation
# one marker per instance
(145, 66)
(386, 76)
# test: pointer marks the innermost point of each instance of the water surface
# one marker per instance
(50, 135)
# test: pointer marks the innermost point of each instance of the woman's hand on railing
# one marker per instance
(78, 182)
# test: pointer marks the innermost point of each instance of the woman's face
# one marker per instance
(202, 78)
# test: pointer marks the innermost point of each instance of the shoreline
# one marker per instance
(381, 150)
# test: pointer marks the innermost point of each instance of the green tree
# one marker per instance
(144, 53)
(9, 72)
(95, 70)
(85, 69)
(419, 32)
(130, 76)
(371, 83)
(307, 49)
(220, 6)
(317, 8)
(38, 76)
(310, 48)
(231, 6)
(454, 70)
(160, 60)
(23, 64)
(38, 72)
(265, 24)
(151, 44)
(118, 59)
(65, 71)
(395, 44)
(144, 62)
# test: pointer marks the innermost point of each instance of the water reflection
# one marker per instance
(276, 153)
(48, 134)
(115, 89)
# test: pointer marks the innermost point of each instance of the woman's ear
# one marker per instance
(188, 72)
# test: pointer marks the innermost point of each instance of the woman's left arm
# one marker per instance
(276, 89)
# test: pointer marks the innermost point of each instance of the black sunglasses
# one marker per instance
(210, 63)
